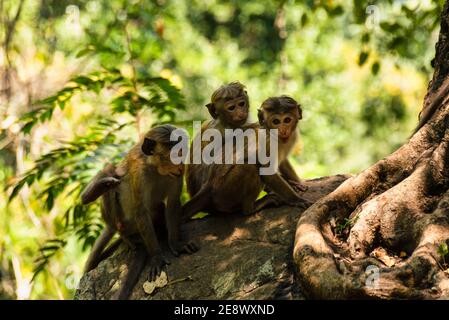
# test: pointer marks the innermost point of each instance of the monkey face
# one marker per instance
(285, 123)
(234, 112)
(160, 157)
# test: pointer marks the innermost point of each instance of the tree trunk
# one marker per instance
(384, 233)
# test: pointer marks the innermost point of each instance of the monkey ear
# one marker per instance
(212, 110)
(260, 117)
(148, 146)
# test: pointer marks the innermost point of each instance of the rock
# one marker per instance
(241, 257)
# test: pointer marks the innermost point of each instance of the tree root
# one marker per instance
(399, 218)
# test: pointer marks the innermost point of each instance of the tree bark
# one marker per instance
(383, 233)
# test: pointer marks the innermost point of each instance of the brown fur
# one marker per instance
(281, 109)
(149, 190)
(230, 187)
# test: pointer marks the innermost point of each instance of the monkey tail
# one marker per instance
(134, 271)
(97, 251)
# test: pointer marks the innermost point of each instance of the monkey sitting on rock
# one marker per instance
(229, 109)
(140, 196)
(230, 188)
(282, 113)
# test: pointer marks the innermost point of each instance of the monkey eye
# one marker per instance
(287, 120)
(241, 103)
(276, 121)
(231, 108)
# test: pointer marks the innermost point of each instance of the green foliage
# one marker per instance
(155, 93)
(443, 250)
(346, 224)
(120, 66)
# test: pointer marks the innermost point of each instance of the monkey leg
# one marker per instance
(96, 254)
(199, 202)
(110, 249)
(97, 187)
(268, 201)
(248, 206)
(133, 275)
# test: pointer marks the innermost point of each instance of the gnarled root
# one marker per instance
(382, 233)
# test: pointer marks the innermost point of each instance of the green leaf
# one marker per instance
(200, 215)
(443, 249)
(363, 57)
(366, 37)
(375, 67)
(304, 19)
(48, 250)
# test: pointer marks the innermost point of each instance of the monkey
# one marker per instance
(229, 188)
(147, 191)
(283, 113)
(229, 109)
(213, 187)
(435, 102)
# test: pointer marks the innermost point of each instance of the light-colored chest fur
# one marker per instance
(284, 148)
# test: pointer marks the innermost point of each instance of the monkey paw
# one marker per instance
(188, 247)
(298, 186)
(157, 262)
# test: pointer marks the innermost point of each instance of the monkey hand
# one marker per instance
(178, 247)
(157, 262)
(298, 186)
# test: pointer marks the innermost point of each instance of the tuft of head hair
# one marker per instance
(230, 90)
(161, 133)
(280, 104)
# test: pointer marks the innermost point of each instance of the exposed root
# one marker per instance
(391, 205)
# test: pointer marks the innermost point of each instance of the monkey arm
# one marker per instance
(279, 186)
(173, 214)
(283, 190)
(288, 172)
(147, 232)
(173, 217)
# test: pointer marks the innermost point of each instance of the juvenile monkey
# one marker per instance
(229, 108)
(136, 196)
(283, 113)
(230, 187)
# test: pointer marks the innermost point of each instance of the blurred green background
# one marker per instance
(80, 80)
